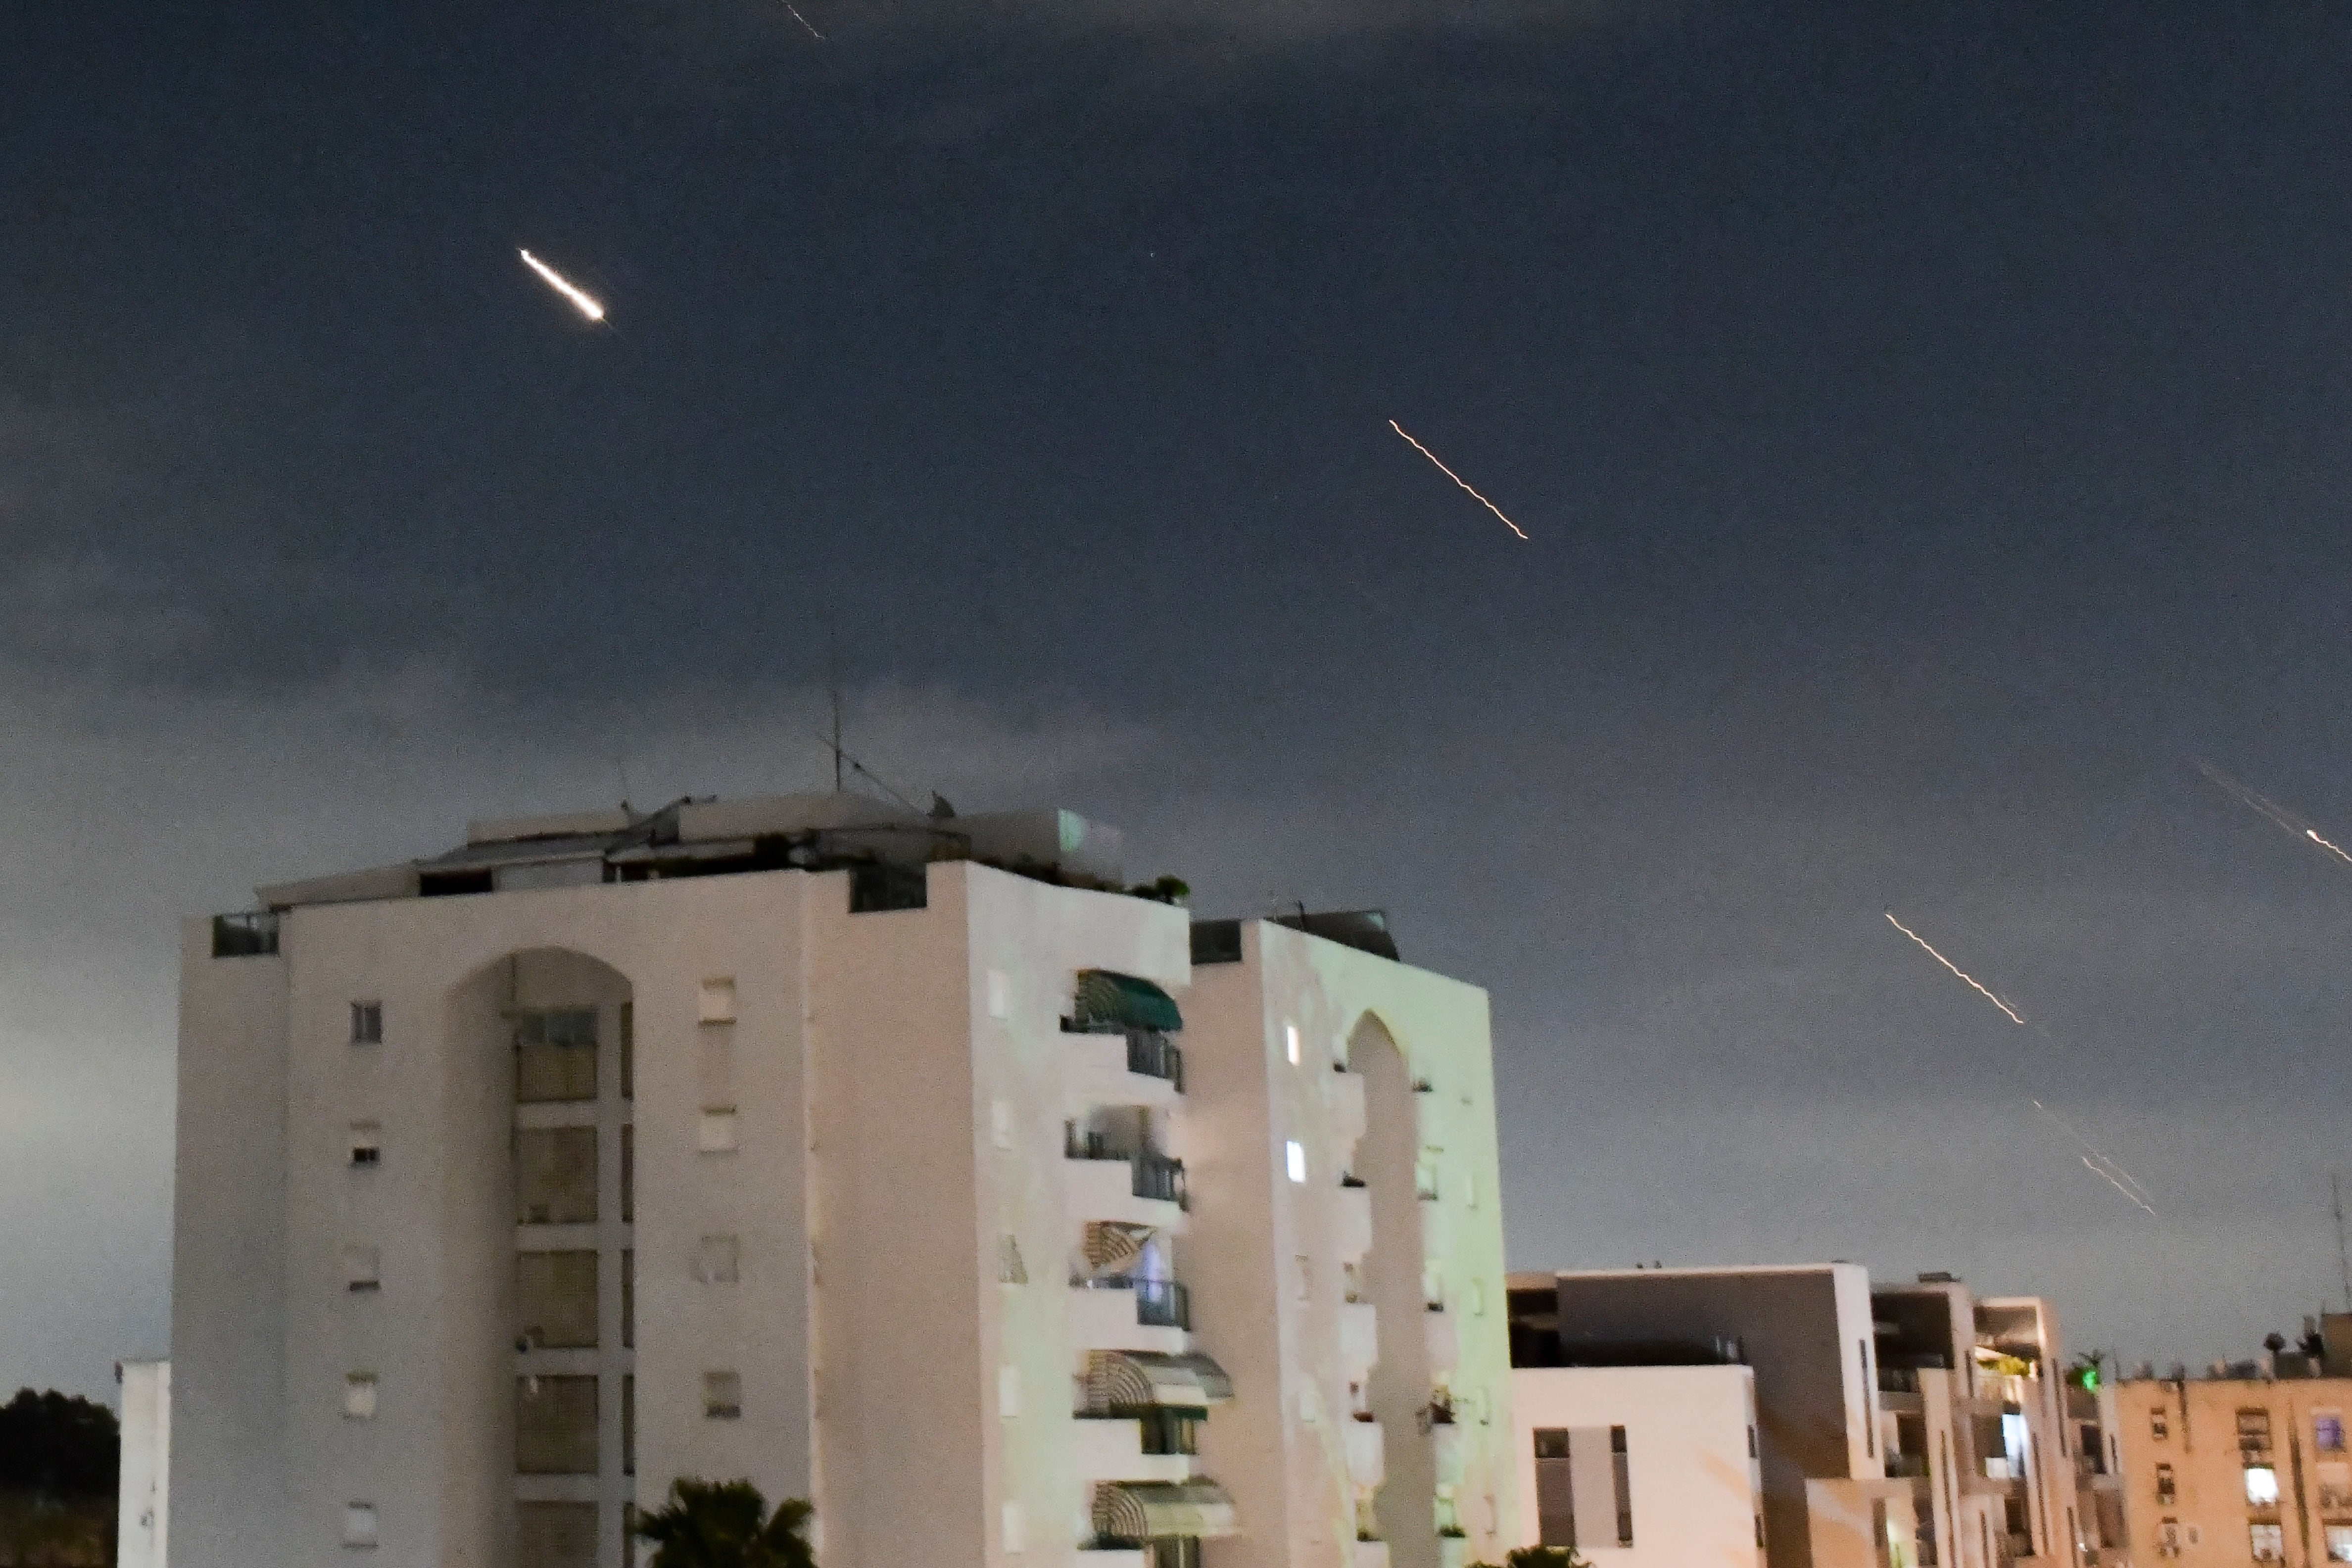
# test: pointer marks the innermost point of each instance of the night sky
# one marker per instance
(1931, 421)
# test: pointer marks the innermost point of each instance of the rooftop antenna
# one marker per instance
(621, 766)
(833, 688)
(841, 756)
(2343, 1257)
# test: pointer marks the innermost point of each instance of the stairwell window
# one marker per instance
(367, 1143)
(367, 1023)
(359, 1525)
(722, 1396)
(1294, 1160)
(362, 1270)
(358, 1397)
(716, 1134)
(716, 1003)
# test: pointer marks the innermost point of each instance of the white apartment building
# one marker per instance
(143, 1523)
(1641, 1466)
(899, 1163)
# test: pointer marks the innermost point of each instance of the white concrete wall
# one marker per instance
(1696, 1493)
(143, 1496)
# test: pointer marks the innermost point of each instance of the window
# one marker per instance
(1759, 1532)
(555, 1301)
(1869, 1401)
(555, 1425)
(359, 1524)
(1555, 1488)
(1621, 1474)
(1290, 1042)
(716, 1260)
(717, 1002)
(2327, 1431)
(2158, 1427)
(2164, 1491)
(2262, 1486)
(716, 1136)
(1293, 1159)
(554, 1534)
(2254, 1431)
(2339, 1544)
(628, 1423)
(628, 1173)
(555, 1055)
(367, 1143)
(628, 1050)
(722, 1396)
(555, 1176)
(628, 1299)
(1433, 1286)
(358, 1397)
(2269, 1543)
(367, 1023)
(363, 1268)
(2167, 1537)
(1752, 1448)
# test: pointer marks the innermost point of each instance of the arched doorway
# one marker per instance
(1394, 1279)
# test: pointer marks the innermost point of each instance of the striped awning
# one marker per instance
(1137, 1379)
(1107, 1000)
(1113, 1246)
(1158, 1510)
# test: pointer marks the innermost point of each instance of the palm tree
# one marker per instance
(726, 1524)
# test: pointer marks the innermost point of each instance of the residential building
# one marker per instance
(1908, 1426)
(2246, 1463)
(2006, 1449)
(1641, 1466)
(143, 1487)
(901, 1162)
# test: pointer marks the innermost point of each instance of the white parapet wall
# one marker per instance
(143, 1513)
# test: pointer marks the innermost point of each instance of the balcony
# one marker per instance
(1906, 1466)
(1451, 1440)
(1111, 1448)
(1130, 1314)
(1125, 1186)
(1444, 1341)
(1134, 1067)
(1367, 1446)
(1355, 1230)
(251, 934)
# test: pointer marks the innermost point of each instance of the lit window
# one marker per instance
(716, 1003)
(367, 1023)
(2327, 1430)
(2269, 1543)
(2261, 1486)
(1290, 1042)
(358, 1397)
(1293, 1159)
(717, 1133)
(2339, 1544)
(2164, 1486)
(367, 1143)
(2158, 1427)
(722, 1396)
(359, 1524)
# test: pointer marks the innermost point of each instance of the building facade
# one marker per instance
(2243, 1465)
(142, 1526)
(1641, 1466)
(902, 1164)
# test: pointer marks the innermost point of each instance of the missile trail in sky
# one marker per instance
(2099, 1164)
(585, 302)
(804, 21)
(1457, 478)
(2270, 809)
(2004, 1007)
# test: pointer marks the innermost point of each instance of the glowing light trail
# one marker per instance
(804, 21)
(2270, 809)
(1457, 478)
(585, 303)
(2313, 834)
(2099, 1164)
(2014, 1014)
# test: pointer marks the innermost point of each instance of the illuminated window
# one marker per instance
(1290, 1042)
(2269, 1543)
(2339, 1544)
(358, 1397)
(2261, 1486)
(2164, 1486)
(2328, 1432)
(1293, 1159)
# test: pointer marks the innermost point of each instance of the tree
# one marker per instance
(56, 1446)
(726, 1524)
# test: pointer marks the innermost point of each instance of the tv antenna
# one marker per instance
(2343, 1257)
(842, 759)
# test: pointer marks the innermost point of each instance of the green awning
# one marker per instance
(1158, 1510)
(1107, 1000)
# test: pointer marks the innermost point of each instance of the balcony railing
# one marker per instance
(251, 935)
(1155, 1175)
(1159, 1304)
(1153, 1055)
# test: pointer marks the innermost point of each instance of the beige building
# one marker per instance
(899, 1163)
(1902, 1427)
(2246, 1464)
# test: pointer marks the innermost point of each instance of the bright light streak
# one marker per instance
(2313, 834)
(2102, 1166)
(587, 303)
(804, 21)
(1457, 478)
(1955, 968)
